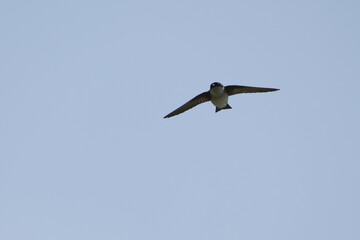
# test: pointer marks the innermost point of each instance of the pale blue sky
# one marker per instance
(86, 154)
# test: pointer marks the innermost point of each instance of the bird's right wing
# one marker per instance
(201, 98)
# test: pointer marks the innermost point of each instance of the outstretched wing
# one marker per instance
(201, 98)
(235, 89)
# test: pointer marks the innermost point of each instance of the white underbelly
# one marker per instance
(220, 101)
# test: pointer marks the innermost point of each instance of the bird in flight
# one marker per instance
(218, 95)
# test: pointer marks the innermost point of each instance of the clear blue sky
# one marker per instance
(86, 154)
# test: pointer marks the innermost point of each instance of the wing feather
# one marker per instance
(236, 89)
(201, 98)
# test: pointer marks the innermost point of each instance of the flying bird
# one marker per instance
(218, 95)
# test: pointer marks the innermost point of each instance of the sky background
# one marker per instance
(86, 154)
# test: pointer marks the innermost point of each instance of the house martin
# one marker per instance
(218, 95)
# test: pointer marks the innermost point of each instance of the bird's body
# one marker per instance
(219, 96)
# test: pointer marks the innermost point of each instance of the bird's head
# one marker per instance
(215, 84)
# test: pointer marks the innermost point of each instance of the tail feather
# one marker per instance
(219, 109)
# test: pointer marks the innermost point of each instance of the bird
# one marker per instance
(218, 95)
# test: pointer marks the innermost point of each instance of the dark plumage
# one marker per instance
(218, 95)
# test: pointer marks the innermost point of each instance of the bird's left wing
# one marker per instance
(235, 89)
(201, 98)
